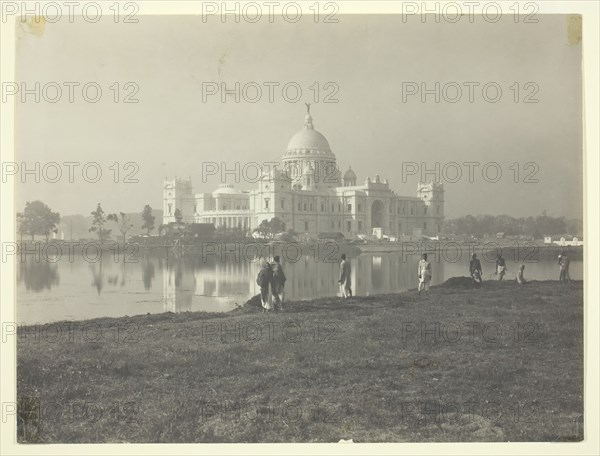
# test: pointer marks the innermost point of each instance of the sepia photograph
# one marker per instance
(299, 223)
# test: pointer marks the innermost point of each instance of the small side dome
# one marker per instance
(349, 177)
(226, 189)
(350, 174)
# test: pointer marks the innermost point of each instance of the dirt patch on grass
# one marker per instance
(458, 282)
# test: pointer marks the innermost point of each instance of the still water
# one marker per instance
(76, 289)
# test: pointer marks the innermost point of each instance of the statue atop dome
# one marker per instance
(308, 123)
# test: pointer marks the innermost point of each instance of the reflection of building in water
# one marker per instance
(306, 278)
(183, 280)
(226, 279)
(179, 285)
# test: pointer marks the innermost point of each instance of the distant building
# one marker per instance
(309, 194)
(575, 242)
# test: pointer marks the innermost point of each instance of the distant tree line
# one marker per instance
(38, 219)
(537, 227)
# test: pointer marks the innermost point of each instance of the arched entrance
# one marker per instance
(377, 214)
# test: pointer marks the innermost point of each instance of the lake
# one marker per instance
(52, 289)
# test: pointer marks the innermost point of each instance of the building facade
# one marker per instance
(310, 195)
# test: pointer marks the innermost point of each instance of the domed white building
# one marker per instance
(310, 195)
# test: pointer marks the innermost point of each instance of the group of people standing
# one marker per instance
(271, 280)
(477, 272)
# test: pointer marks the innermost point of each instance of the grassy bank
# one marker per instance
(502, 363)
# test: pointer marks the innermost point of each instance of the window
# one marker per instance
(425, 210)
(170, 208)
(359, 225)
(299, 206)
(411, 210)
(424, 225)
(267, 203)
(359, 208)
(282, 204)
(439, 228)
(390, 224)
(332, 225)
(305, 226)
(195, 208)
(224, 207)
(332, 208)
(399, 227)
(438, 210)
(349, 207)
(304, 206)
(311, 207)
(339, 224)
(349, 223)
(322, 207)
(339, 207)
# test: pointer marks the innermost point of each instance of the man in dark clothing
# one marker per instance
(563, 262)
(277, 282)
(263, 280)
(475, 270)
(500, 266)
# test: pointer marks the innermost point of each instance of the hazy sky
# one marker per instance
(171, 131)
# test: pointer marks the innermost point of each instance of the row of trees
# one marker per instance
(38, 219)
(536, 227)
(123, 221)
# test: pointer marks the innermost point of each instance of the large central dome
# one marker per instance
(308, 141)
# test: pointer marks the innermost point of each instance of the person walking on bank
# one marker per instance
(500, 266)
(263, 280)
(277, 283)
(424, 272)
(345, 279)
(563, 262)
(521, 275)
(475, 270)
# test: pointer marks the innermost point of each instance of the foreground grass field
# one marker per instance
(502, 363)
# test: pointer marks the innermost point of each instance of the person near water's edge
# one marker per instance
(263, 280)
(500, 266)
(424, 272)
(521, 275)
(475, 270)
(563, 263)
(277, 282)
(345, 280)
